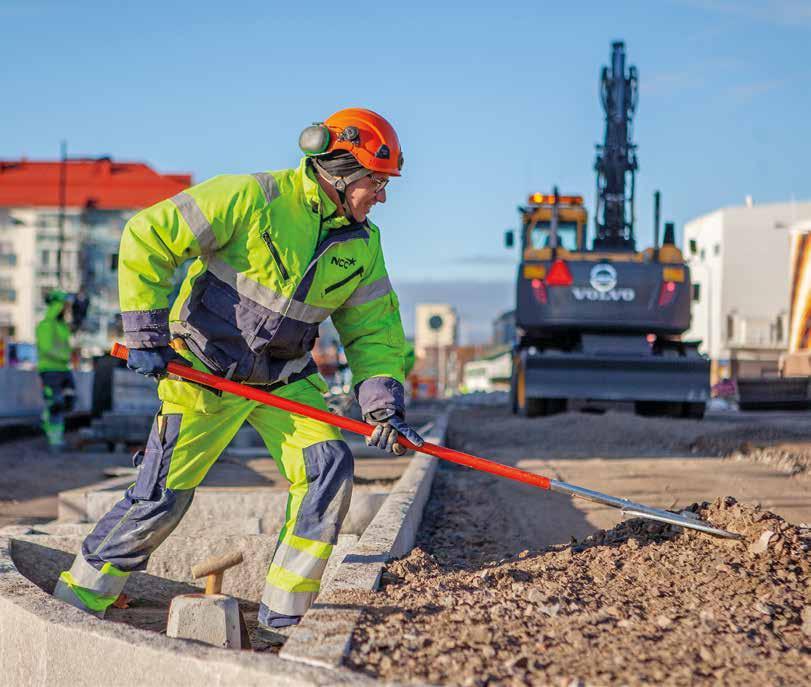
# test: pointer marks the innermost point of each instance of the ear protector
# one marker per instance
(315, 139)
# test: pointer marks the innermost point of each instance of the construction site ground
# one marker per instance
(32, 478)
(513, 585)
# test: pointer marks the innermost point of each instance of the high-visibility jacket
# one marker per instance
(272, 261)
(53, 340)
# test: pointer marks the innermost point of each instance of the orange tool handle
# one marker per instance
(356, 426)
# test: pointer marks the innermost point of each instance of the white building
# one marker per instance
(739, 264)
(60, 226)
(488, 374)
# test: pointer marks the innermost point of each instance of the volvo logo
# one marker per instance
(603, 280)
(603, 277)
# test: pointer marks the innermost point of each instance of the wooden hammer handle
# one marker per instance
(216, 564)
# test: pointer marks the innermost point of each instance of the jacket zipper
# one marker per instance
(339, 284)
(275, 254)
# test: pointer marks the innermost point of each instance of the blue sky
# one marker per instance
(492, 101)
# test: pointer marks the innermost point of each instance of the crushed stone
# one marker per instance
(640, 604)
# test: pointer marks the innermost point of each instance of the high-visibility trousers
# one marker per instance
(58, 395)
(192, 428)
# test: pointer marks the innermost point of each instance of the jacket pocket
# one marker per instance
(276, 256)
(338, 284)
(293, 339)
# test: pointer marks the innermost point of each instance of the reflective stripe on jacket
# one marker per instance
(268, 271)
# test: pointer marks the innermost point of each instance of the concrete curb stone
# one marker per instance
(46, 642)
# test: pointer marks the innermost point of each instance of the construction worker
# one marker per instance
(275, 254)
(53, 365)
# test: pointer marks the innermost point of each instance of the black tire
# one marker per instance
(556, 405)
(694, 410)
(644, 408)
(539, 407)
(658, 408)
(534, 407)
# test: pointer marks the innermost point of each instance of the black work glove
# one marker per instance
(152, 362)
(388, 430)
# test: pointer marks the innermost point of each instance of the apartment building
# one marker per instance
(60, 226)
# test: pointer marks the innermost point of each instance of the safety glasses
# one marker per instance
(378, 183)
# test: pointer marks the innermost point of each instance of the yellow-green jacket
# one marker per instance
(272, 262)
(53, 340)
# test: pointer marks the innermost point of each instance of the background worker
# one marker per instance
(275, 254)
(53, 365)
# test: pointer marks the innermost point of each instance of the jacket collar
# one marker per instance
(317, 200)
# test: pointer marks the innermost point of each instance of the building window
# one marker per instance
(703, 253)
(730, 327)
(716, 249)
(693, 246)
(7, 295)
(696, 292)
(114, 262)
(45, 258)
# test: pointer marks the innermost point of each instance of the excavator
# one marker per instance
(603, 323)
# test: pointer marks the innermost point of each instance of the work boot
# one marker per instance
(274, 628)
(63, 592)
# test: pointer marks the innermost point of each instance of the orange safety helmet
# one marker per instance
(370, 139)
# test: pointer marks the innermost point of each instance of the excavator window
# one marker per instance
(540, 236)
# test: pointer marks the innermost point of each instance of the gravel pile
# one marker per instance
(642, 603)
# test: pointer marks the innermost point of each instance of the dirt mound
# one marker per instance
(642, 603)
(793, 459)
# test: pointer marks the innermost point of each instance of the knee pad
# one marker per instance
(330, 467)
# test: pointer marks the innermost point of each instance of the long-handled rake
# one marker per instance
(627, 507)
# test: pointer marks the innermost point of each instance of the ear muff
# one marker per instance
(314, 140)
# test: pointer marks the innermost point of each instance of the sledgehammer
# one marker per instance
(358, 427)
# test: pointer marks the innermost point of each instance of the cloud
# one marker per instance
(793, 13)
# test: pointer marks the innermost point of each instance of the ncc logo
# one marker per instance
(343, 262)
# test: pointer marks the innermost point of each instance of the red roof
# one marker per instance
(101, 183)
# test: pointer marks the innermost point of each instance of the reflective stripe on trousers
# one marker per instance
(183, 445)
